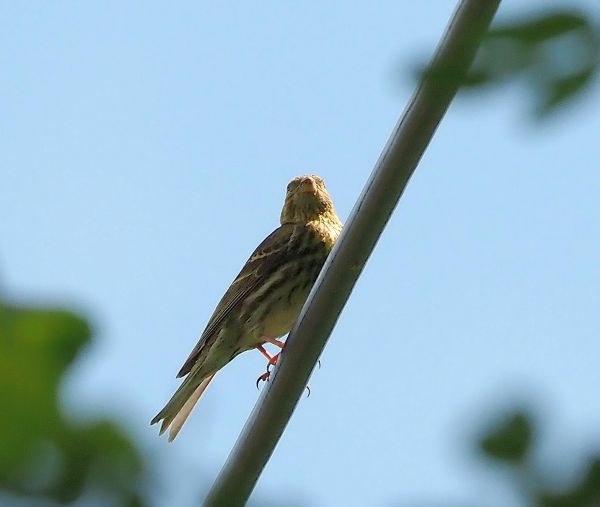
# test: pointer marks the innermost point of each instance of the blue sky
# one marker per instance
(145, 151)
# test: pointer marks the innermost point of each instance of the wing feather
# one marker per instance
(270, 254)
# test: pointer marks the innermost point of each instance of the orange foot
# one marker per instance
(265, 378)
(272, 360)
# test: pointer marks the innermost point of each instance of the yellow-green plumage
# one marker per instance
(267, 295)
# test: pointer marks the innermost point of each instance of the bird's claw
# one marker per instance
(264, 378)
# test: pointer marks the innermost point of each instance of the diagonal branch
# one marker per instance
(396, 164)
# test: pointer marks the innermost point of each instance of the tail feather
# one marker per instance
(179, 407)
(187, 408)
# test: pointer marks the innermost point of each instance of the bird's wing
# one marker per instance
(267, 257)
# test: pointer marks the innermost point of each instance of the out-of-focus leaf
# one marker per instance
(585, 493)
(562, 89)
(510, 440)
(542, 27)
(35, 348)
(98, 456)
(43, 454)
(556, 54)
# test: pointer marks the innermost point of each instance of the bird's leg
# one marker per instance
(272, 359)
(279, 344)
(275, 358)
(275, 342)
(265, 376)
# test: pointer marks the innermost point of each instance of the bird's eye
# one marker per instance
(292, 185)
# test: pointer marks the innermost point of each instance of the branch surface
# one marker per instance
(367, 220)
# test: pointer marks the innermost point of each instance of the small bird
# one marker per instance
(266, 297)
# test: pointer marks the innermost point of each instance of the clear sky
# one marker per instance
(144, 152)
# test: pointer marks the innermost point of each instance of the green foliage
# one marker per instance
(584, 493)
(43, 454)
(555, 53)
(511, 442)
(46, 458)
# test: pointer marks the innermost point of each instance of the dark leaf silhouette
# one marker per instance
(555, 53)
(511, 440)
(42, 453)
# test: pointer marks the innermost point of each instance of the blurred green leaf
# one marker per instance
(562, 89)
(36, 346)
(542, 27)
(585, 493)
(555, 53)
(43, 454)
(510, 440)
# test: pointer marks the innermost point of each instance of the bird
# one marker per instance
(265, 299)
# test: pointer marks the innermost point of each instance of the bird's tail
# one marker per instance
(179, 407)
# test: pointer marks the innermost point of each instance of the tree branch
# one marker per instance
(373, 209)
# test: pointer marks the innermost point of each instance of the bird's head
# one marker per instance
(306, 199)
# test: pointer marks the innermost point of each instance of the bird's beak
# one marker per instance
(308, 185)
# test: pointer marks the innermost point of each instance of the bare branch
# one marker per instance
(345, 263)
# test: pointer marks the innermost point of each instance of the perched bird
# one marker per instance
(264, 300)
